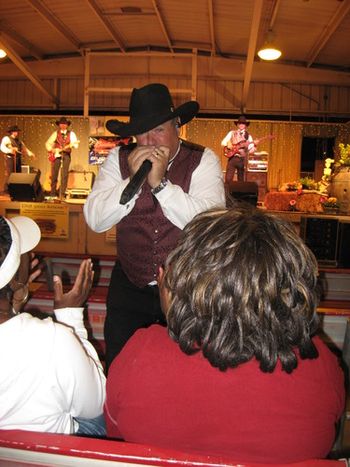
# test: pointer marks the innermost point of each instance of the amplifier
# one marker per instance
(260, 178)
(80, 180)
(244, 191)
(326, 238)
(344, 245)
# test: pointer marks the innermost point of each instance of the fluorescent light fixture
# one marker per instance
(269, 51)
(2, 53)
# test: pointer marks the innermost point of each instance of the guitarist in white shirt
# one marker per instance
(13, 149)
(59, 146)
(238, 144)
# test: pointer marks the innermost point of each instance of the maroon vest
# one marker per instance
(16, 143)
(62, 141)
(145, 237)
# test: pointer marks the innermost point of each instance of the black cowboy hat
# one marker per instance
(242, 119)
(63, 120)
(13, 128)
(149, 107)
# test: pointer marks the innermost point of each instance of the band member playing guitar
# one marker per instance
(238, 144)
(59, 147)
(13, 148)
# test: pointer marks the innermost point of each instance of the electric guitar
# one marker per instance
(57, 152)
(14, 150)
(230, 152)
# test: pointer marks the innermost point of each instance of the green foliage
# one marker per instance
(308, 183)
(344, 155)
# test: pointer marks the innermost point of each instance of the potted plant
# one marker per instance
(341, 178)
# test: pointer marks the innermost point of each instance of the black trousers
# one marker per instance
(62, 163)
(128, 308)
(233, 164)
(10, 167)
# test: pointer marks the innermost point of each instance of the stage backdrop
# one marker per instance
(284, 150)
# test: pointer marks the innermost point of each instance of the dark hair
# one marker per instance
(5, 239)
(243, 284)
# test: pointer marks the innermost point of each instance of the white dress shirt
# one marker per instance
(6, 145)
(102, 209)
(49, 373)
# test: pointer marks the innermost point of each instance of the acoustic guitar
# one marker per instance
(230, 152)
(57, 152)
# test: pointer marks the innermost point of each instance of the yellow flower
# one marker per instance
(330, 202)
(344, 154)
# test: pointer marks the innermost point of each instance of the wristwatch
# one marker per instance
(163, 184)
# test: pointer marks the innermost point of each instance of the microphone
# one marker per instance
(136, 182)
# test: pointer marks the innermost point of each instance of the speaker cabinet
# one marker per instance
(244, 191)
(344, 245)
(261, 179)
(327, 239)
(25, 187)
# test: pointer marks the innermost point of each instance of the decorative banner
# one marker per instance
(53, 219)
(99, 147)
(101, 141)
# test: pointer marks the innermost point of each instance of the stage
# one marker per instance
(63, 227)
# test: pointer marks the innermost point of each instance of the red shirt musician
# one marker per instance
(238, 144)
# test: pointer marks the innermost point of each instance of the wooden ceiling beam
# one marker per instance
(256, 19)
(212, 27)
(328, 31)
(275, 9)
(162, 25)
(54, 22)
(103, 18)
(20, 40)
(21, 65)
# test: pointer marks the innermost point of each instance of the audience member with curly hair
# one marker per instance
(240, 371)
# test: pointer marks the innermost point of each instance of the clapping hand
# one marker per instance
(79, 293)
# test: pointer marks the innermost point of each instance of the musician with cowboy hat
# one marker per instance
(59, 146)
(238, 144)
(184, 179)
(13, 149)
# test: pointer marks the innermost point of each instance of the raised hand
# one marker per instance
(79, 293)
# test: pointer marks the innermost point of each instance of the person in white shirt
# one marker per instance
(183, 180)
(51, 378)
(238, 144)
(59, 146)
(13, 149)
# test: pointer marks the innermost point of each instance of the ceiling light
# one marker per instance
(2, 53)
(269, 51)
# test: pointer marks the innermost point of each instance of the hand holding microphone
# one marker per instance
(153, 168)
(136, 182)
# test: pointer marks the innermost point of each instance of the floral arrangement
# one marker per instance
(304, 183)
(291, 186)
(330, 202)
(308, 183)
(344, 155)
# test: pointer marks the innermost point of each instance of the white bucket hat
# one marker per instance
(25, 235)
